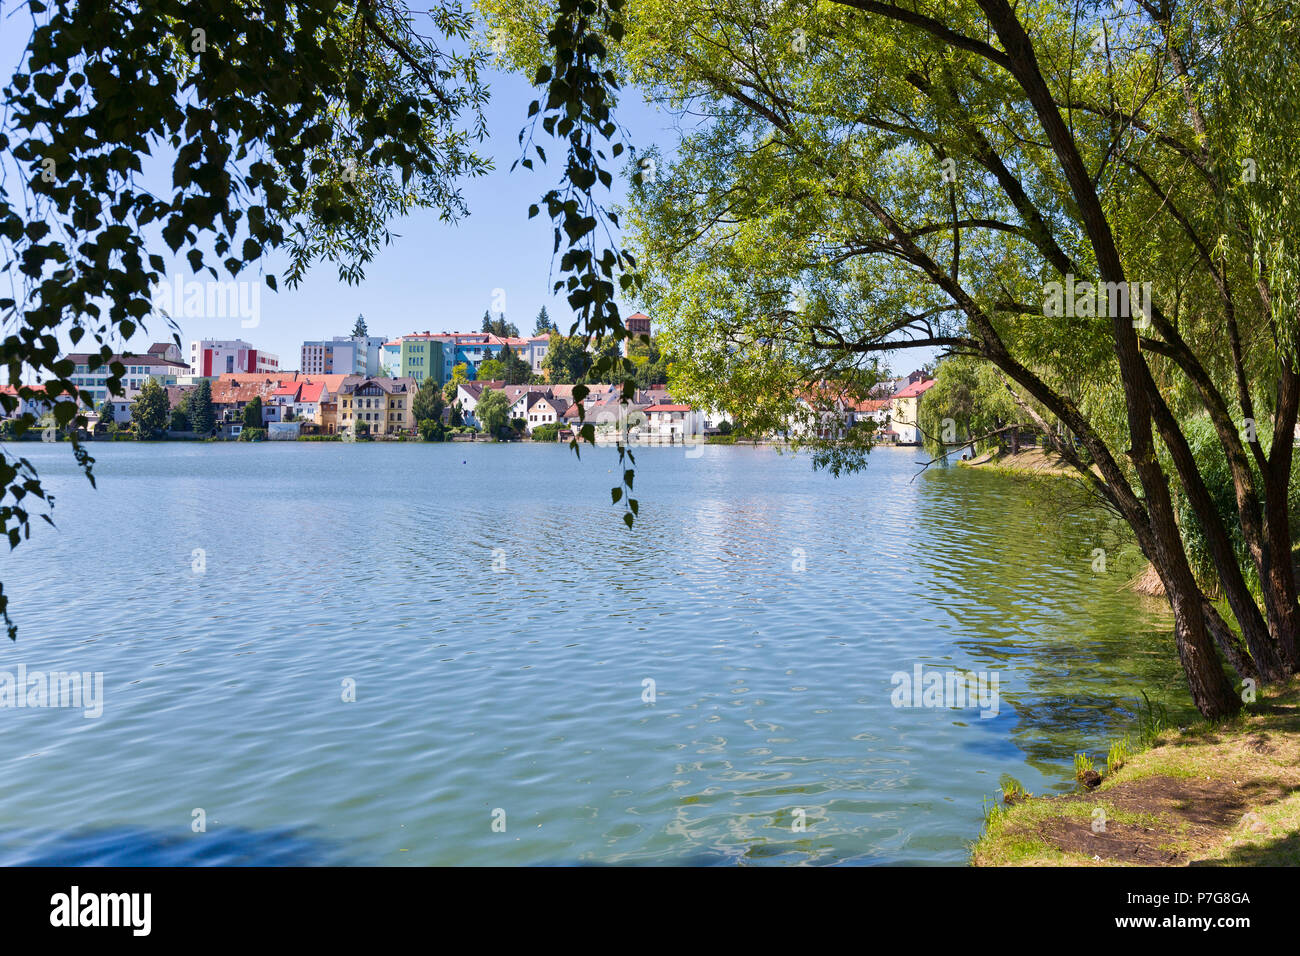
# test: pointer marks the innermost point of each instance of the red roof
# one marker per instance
(669, 408)
(311, 392)
(230, 393)
(915, 389)
(870, 405)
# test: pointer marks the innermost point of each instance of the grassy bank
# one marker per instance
(1030, 461)
(1211, 794)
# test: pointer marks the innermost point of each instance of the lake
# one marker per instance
(535, 684)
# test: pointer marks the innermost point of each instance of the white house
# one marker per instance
(137, 370)
(673, 423)
(468, 395)
(876, 410)
(543, 410)
(36, 407)
(820, 412)
(121, 409)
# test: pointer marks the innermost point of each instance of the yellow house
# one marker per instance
(905, 420)
(377, 406)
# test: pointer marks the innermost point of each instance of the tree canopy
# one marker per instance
(1089, 199)
(544, 324)
(499, 325)
(491, 412)
(150, 412)
(428, 402)
(202, 415)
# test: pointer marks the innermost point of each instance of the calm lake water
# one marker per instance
(770, 605)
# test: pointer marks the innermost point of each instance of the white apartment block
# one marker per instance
(343, 355)
(214, 357)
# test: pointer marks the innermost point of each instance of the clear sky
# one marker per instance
(434, 276)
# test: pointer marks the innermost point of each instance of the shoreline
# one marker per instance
(1223, 794)
(1033, 461)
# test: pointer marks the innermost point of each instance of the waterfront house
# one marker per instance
(543, 410)
(230, 398)
(905, 413)
(121, 410)
(468, 395)
(521, 396)
(713, 419)
(36, 405)
(608, 418)
(300, 396)
(382, 405)
(873, 410)
(137, 370)
(306, 406)
(285, 396)
(329, 414)
(673, 423)
(822, 410)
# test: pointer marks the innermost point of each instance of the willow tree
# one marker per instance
(970, 405)
(294, 127)
(858, 177)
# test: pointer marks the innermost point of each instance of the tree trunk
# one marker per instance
(1263, 646)
(1279, 579)
(1228, 642)
(1211, 691)
(1214, 696)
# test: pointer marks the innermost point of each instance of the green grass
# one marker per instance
(1225, 793)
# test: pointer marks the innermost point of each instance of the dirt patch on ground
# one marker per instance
(1226, 794)
(1180, 809)
(1157, 821)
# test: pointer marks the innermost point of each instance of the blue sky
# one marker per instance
(435, 276)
